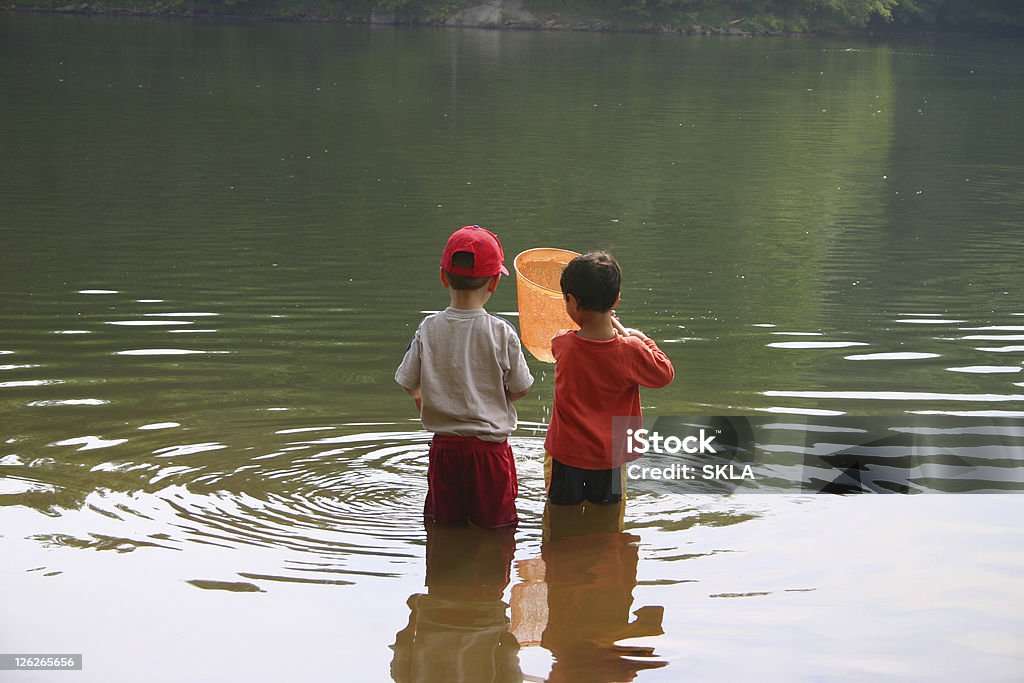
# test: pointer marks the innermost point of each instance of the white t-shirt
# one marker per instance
(462, 361)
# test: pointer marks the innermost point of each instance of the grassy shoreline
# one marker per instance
(547, 15)
(537, 21)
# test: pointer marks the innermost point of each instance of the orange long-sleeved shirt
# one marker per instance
(594, 382)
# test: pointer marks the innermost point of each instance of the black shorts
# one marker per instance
(573, 485)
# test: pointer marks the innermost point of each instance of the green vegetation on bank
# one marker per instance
(742, 16)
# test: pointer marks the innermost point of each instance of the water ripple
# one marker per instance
(163, 352)
(89, 443)
(986, 369)
(897, 396)
(815, 345)
(895, 355)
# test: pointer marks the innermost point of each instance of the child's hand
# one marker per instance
(617, 326)
(625, 331)
(635, 333)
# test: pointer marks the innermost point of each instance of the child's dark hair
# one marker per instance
(594, 279)
(464, 259)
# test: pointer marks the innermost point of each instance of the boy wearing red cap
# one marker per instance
(464, 368)
(599, 370)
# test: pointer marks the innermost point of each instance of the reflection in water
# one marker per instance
(577, 596)
(574, 601)
(458, 631)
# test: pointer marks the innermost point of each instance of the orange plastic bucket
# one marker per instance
(541, 305)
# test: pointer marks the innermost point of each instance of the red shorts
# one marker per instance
(471, 479)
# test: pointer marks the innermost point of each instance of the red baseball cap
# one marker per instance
(484, 245)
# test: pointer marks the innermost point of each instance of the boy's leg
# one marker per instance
(547, 472)
(603, 487)
(445, 500)
(566, 487)
(491, 484)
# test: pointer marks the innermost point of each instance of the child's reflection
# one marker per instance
(458, 631)
(588, 567)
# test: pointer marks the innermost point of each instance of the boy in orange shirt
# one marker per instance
(599, 370)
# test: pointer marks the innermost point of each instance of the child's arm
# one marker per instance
(654, 369)
(408, 373)
(415, 393)
(518, 374)
(515, 396)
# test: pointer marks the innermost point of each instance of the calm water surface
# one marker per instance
(217, 239)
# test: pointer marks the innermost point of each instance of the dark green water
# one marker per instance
(216, 240)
